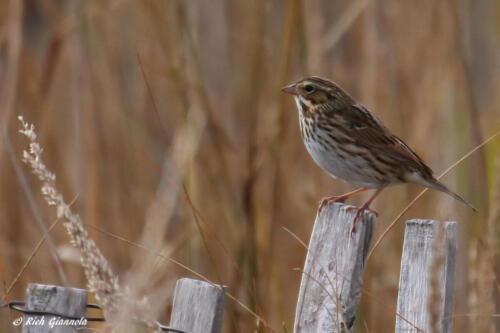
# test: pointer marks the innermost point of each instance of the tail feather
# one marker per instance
(440, 187)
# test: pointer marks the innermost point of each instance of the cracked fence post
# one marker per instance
(198, 307)
(71, 302)
(332, 279)
(420, 266)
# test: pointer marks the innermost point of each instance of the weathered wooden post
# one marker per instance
(419, 265)
(67, 302)
(333, 273)
(198, 307)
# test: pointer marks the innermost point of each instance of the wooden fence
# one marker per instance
(330, 290)
(332, 280)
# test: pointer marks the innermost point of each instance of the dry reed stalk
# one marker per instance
(238, 205)
(463, 28)
(343, 24)
(289, 40)
(30, 258)
(486, 262)
(100, 278)
(247, 101)
(34, 208)
(10, 74)
(146, 272)
(314, 24)
(184, 68)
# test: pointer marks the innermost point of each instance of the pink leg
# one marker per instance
(365, 207)
(340, 198)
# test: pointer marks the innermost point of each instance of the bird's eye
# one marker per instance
(309, 89)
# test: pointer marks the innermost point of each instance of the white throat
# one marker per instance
(301, 101)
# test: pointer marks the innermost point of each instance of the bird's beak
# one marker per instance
(290, 89)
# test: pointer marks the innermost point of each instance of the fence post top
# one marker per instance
(431, 223)
(53, 286)
(201, 283)
(334, 207)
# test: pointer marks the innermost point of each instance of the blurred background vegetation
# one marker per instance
(164, 122)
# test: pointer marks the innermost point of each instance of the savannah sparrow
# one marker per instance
(350, 143)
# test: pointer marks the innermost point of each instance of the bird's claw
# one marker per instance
(348, 208)
(358, 215)
(328, 200)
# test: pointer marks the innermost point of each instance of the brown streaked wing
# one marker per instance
(370, 132)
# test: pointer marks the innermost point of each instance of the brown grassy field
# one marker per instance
(166, 127)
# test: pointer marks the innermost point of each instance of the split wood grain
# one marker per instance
(415, 290)
(332, 279)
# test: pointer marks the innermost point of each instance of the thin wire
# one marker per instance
(19, 306)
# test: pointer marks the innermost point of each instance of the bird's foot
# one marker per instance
(328, 200)
(339, 198)
(360, 211)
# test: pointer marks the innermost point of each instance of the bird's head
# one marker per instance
(314, 93)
